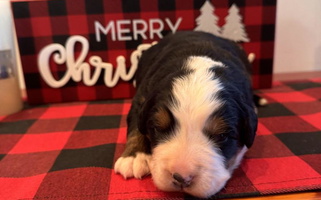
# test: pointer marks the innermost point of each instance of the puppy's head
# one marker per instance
(198, 131)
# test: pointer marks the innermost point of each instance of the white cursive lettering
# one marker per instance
(77, 69)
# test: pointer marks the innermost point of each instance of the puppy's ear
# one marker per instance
(248, 125)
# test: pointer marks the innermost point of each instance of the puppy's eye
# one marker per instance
(219, 138)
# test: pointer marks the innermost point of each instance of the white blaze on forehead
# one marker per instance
(196, 93)
(189, 152)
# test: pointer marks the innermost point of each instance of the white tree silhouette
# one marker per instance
(207, 21)
(233, 28)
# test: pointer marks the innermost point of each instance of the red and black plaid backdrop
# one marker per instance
(43, 22)
(67, 151)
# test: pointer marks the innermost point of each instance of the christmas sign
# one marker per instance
(75, 50)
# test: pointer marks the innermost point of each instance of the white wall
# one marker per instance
(298, 36)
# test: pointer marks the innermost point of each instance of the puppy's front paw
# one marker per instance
(131, 166)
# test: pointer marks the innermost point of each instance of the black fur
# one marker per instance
(163, 63)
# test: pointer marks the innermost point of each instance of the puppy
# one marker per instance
(193, 117)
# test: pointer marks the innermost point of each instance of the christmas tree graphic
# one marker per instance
(207, 21)
(234, 28)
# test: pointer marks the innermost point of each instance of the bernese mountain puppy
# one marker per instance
(193, 116)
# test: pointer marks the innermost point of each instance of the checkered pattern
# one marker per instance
(43, 22)
(67, 151)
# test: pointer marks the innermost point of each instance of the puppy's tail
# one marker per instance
(259, 101)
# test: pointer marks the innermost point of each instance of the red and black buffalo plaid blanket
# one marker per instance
(67, 151)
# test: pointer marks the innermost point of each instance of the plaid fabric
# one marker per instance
(43, 22)
(67, 151)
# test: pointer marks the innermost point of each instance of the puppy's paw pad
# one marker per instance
(137, 166)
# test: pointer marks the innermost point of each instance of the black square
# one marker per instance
(267, 32)
(304, 85)
(302, 143)
(2, 156)
(98, 122)
(110, 101)
(70, 83)
(26, 45)
(239, 3)
(98, 156)
(60, 39)
(15, 127)
(98, 45)
(94, 7)
(269, 3)
(20, 9)
(198, 4)
(57, 8)
(274, 109)
(133, 44)
(33, 80)
(166, 5)
(266, 66)
(131, 6)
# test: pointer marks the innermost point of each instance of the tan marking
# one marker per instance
(215, 125)
(163, 119)
(136, 142)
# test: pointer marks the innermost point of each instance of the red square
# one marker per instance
(40, 43)
(23, 27)
(41, 142)
(290, 97)
(253, 15)
(53, 125)
(75, 8)
(86, 93)
(77, 183)
(313, 160)
(122, 90)
(65, 111)
(254, 33)
(104, 109)
(27, 164)
(304, 108)
(269, 15)
(137, 189)
(313, 119)
(184, 20)
(273, 174)
(314, 92)
(78, 24)
(51, 95)
(268, 146)
(90, 138)
(286, 124)
(26, 114)
(20, 188)
(38, 9)
(253, 47)
(41, 26)
(122, 136)
(8, 141)
(262, 130)
(60, 24)
(113, 6)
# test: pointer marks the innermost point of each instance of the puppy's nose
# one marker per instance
(181, 181)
